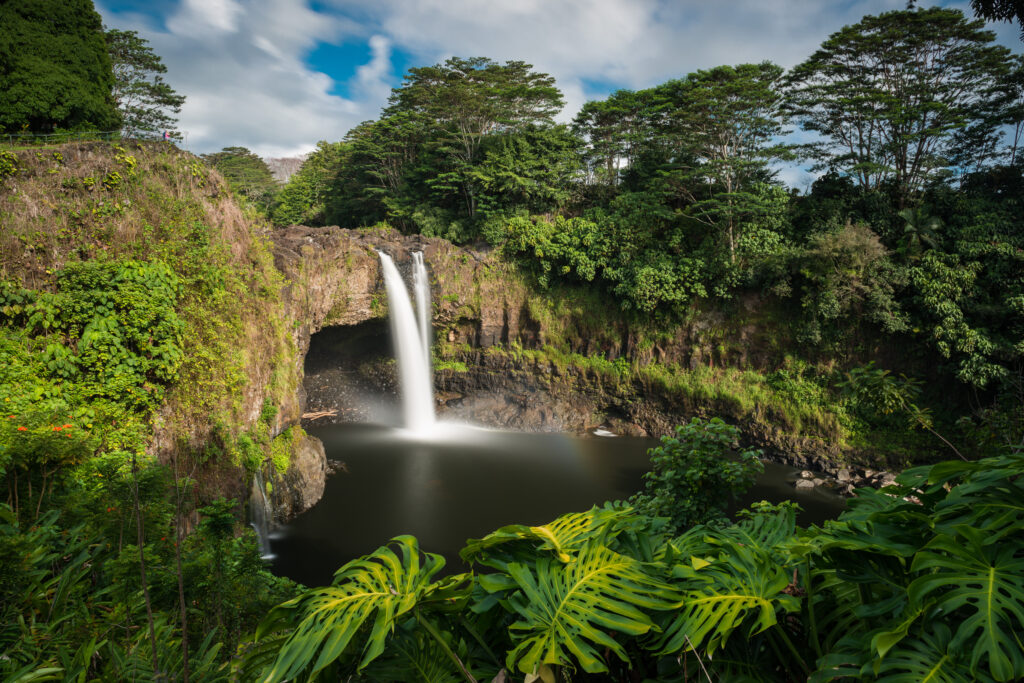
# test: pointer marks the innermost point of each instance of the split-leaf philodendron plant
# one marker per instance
(923, 580)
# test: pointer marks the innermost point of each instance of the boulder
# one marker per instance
(302, 484)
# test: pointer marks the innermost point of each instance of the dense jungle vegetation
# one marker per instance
(138, 301)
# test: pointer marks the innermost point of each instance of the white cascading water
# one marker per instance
(412, 351)
(421, 290)
(260, 514)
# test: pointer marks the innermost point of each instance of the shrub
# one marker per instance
(693, 475)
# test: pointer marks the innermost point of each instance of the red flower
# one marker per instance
(22, 429)
(67, 426)
(56, 429)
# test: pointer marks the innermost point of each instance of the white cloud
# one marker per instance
(628, 43)
(243, 73)
(372, 80)
(206, 17)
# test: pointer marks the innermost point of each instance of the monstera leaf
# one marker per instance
(565, 610)
(561, 537)
(738, 583)
(374, 590)
(925, 660)
(413, 657)
(979, 587)
(991, 500)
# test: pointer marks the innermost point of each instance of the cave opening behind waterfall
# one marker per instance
(349, 374)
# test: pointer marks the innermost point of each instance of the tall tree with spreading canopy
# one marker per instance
(146, 102)
(887, 94)
(54, 68)
(616, 129)
(468, 99)
(724, 121)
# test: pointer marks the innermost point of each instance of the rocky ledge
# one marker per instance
(845, 480)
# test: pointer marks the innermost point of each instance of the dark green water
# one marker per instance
(467, 482)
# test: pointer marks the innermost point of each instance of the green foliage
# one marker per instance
(895, 589)
(913, 78)
(841, 276)
(693, 477)
(282, 448)
(54, 68)
(303, 199)
(944, 286)
(733, 579)
(247, 175)
(84, 368)
(8, 164)
(564, 610)
(375, 590)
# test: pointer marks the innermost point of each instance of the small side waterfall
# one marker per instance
(411, 340)
(260, 513)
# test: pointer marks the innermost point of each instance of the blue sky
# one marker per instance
(276, 76)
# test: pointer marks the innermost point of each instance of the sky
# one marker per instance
(277, 76)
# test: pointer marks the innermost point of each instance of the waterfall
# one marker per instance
(260, 513)
(421, 290)
(412, 351)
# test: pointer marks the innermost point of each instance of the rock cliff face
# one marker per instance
(334, 279)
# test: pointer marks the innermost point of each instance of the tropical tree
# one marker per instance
(246, 173)
(303, 199)
(379, 178)
(146, 102)
(886, 94)
(54, 68)
(532, 170)
(920, 231)
(468, 99)
(725, 119)
(617, 130)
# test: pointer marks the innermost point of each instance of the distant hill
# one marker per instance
(283, 167)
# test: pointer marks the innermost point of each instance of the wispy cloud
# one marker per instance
(242, 69)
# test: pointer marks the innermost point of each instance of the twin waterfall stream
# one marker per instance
(411, 336)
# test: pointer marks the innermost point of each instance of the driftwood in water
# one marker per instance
(319, 414)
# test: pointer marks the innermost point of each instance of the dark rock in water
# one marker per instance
(336, 466)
